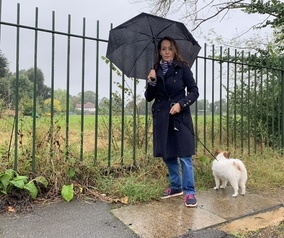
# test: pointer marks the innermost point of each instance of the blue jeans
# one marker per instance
(187, 174)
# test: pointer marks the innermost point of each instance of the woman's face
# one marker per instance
(166, 51)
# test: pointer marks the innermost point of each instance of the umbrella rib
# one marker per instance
(150, 26)
(140, 55)
(163, 30)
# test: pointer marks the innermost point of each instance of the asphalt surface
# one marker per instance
(78, 219)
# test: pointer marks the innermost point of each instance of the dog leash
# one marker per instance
(206, 148)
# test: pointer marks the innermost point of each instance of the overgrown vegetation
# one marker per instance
(124, 183)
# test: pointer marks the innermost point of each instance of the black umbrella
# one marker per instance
(132, 45)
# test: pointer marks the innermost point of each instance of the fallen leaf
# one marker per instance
(11, 209)
(124, 200)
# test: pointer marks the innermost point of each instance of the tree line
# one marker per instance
(30, 87)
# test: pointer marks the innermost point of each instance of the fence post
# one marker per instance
(282, 104)
(0, 18)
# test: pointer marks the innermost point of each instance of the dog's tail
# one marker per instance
(237, 165)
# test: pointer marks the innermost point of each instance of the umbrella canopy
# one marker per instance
(132, 45)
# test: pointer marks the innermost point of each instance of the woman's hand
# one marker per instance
(175, 109)
(152, 76)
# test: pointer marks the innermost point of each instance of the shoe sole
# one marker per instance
(191, 205)
(173, 195)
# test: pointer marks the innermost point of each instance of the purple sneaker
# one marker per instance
(190, 200)
(169, 192)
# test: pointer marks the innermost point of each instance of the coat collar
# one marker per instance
(175, 64)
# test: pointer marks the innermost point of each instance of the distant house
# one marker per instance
(89, 108)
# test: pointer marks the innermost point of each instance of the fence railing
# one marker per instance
(61, 97)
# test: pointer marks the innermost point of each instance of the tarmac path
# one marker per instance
(168, 218)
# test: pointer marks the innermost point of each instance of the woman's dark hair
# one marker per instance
(175, 49)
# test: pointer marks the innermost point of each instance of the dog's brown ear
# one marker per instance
(227, 154)
(217, 152)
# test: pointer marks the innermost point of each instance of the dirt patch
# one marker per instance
(269, 232)
(263, 225)
(18, 200)
(256, 222)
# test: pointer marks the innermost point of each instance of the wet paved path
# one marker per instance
(170, 218)
(167, 218)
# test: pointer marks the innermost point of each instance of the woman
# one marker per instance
(173, 135)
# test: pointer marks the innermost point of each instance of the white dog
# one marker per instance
(228, 169)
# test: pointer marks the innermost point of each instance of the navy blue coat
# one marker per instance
(173, 135)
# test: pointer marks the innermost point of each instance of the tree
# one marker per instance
(56, 105)
(219, 107)
(141, 107)
(5, 90)
(103, 106)
(3, 65)
(89, 96)
(42, 89)
(4, 82)
(203, 106)
(61, 95)
(25, 87)
(195, 10)
(26, 106)
(255, 97)
(2, 107)
(116, 103)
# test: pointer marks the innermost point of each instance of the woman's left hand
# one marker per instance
(175, 109)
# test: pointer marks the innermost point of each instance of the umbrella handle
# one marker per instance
(153, 76)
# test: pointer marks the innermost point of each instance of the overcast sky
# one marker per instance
(107, 12)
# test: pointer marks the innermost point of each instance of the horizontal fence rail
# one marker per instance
(60, 97)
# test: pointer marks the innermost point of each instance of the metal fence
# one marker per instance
(240, 104)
